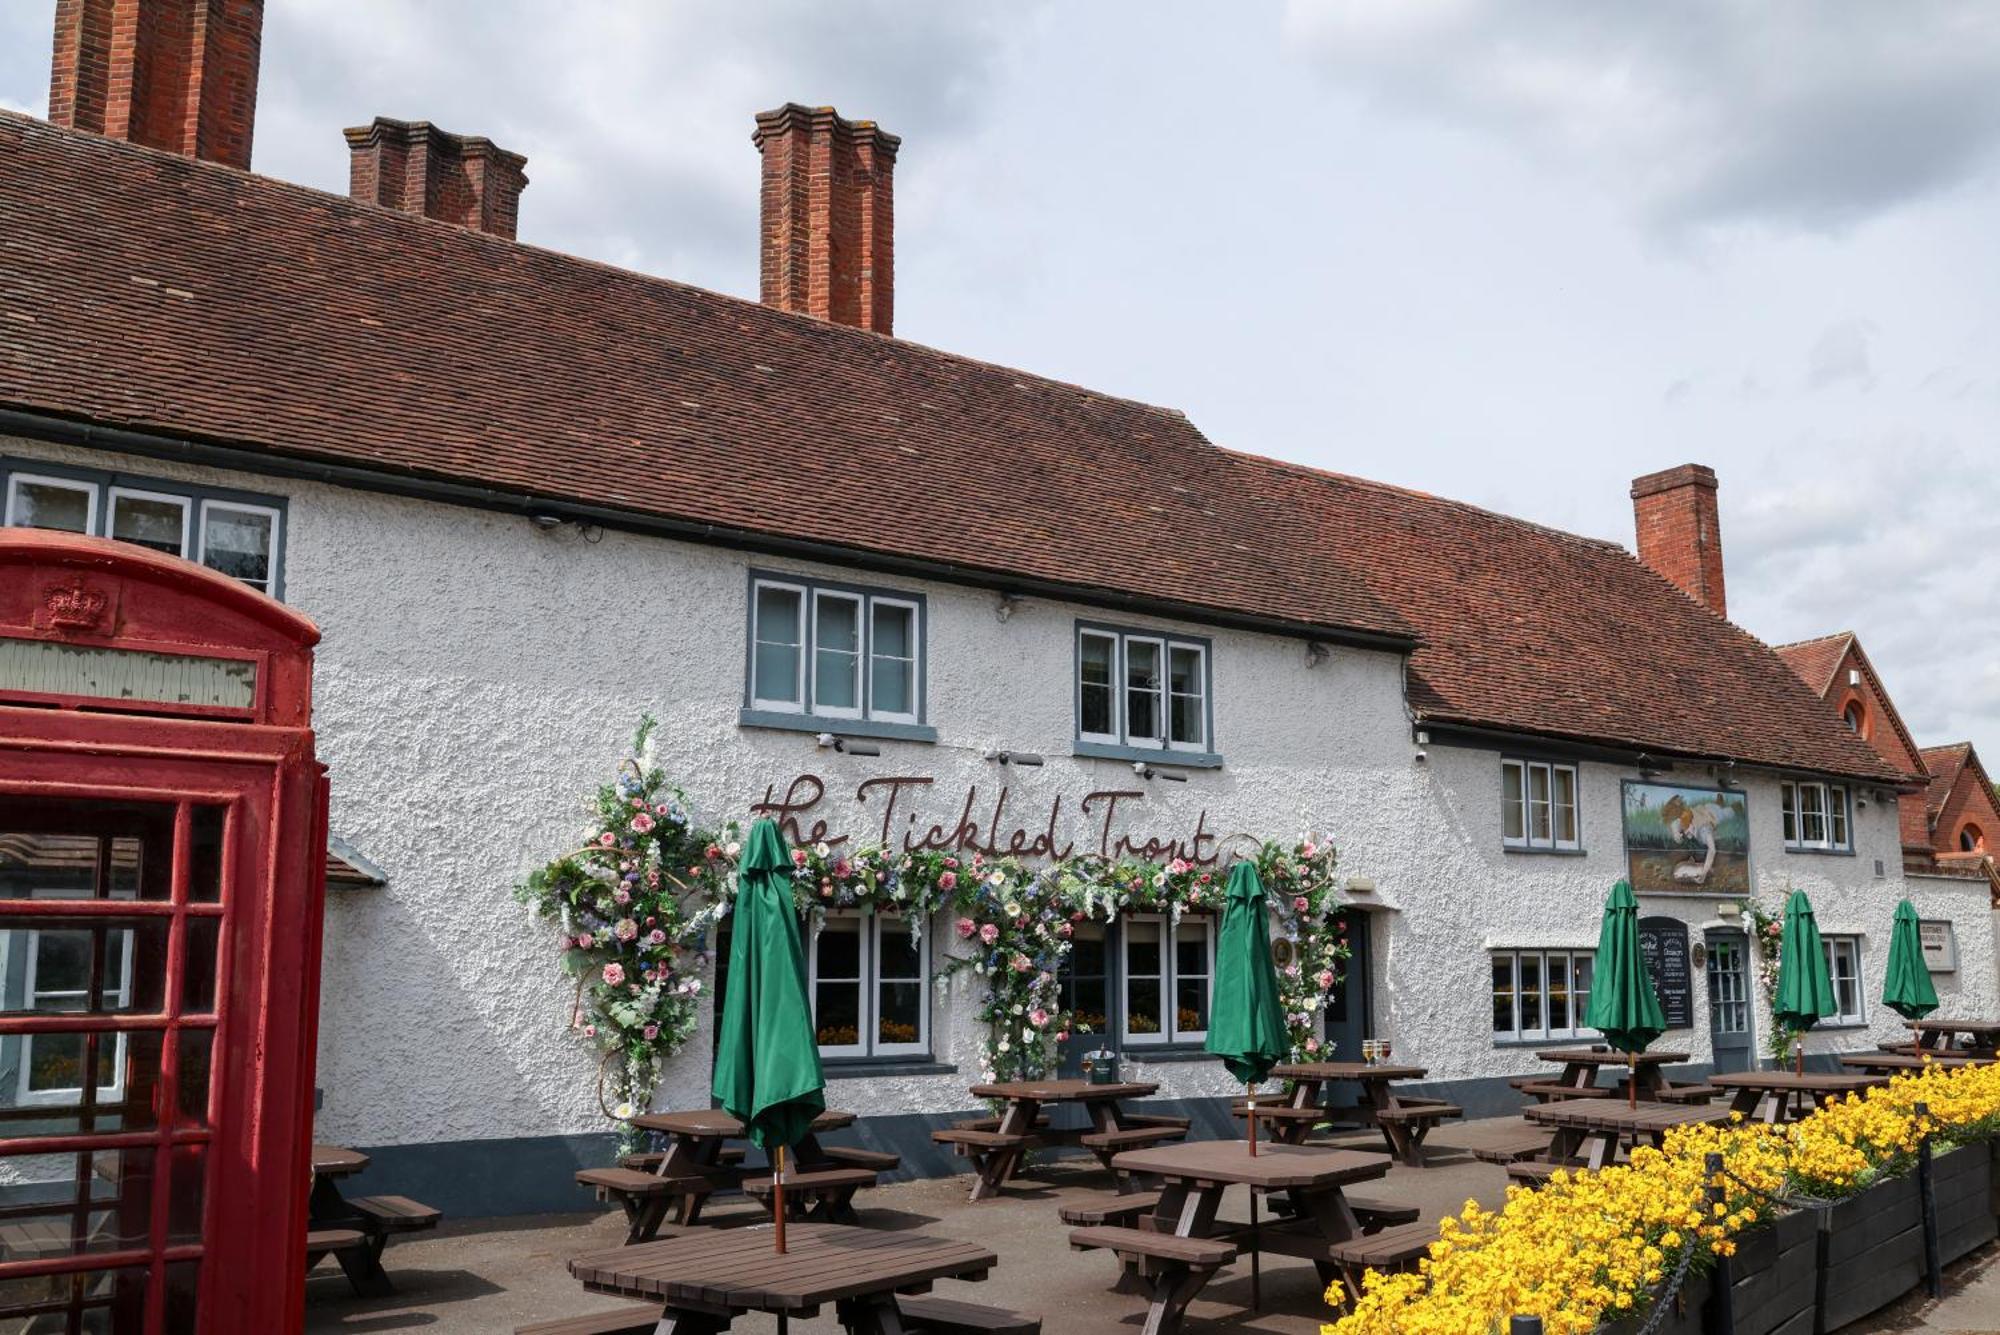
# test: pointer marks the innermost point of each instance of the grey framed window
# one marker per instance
(1815, 816)
(870, 986)
(1538, 806)
(1540, 994)
(238, 533)
(1843, 968)
(834, 652)
(1144, 693)
(1168, 971)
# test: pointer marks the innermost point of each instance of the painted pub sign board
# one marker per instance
(1687, 840)
(1663, 942)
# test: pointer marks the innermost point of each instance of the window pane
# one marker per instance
(58, 505)
(838, 948)
(1558, 991)
(1142, 690)
(237, 541)
(150, 521)
(1503, 994)
(1788, 797)
(1836, 812)
(1579, 987)
(1531, 994)
(900, 1018)
(1812, 813)
(1083, 975)
(837, 1013)
(1538, 804)
(901, 954)
(1191, 977)
(1187, 687)
(1565, 805)
(836, 652)
(892, 668)
(1513, 803)
(1142, 977)
(776, 676)
(1094, 670)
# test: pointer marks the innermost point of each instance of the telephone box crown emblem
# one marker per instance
(74, 607)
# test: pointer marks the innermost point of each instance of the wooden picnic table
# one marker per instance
(1403, 1120)
(1589, 1133)
(695, 1141)
(1194, 1177)
(1896, 1063)
(354, 1232)
(997, 1146)
(703, 1280)
(1644, 1069)
(1940, 1035)
(1783, 1096)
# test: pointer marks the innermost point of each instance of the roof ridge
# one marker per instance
(394, 215)
(1816, 639)
(1331, 475)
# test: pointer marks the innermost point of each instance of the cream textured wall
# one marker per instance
(478, 677)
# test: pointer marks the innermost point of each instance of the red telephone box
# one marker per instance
(162, 867)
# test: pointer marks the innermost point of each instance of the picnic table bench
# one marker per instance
(354, 1232)
(1591, 1134)
(698, 1282)
(1643, 1070)
(1403, 1119)
(1780, 1096)
(997, 1145)
(1941, 1034)
(1137, 1211)
(1897, 1063)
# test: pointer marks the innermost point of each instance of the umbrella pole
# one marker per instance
(1251, 1091)
(1631, 1084)
(778, 1195)
(1799, 1056)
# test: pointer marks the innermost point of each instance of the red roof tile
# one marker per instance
(1944, 764)
(1816, 661)
(156, 293)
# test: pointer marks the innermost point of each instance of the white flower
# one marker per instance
(623, 1112)
(1012, 909)
(820, 849)
(733, 849)
(1001, 1046)
(1159, 878)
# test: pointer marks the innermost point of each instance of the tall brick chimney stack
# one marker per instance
(828, 216)
(174, 74)
(1680, 535)
(418, 168)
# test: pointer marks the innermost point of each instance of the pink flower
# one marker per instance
(1038, 1017)
(1325, 979)
(622, 895)
(966, 927)
(843, 869)
(626, 929)
(651, 1031)
(989, 933)
(614, 974)
(583, 941)
(590, 1031)
(1021, 963)
(712, 852)
(1312, 1045)
(657, 937)
(1064, 929)
(1062, 1035)
(798, 857)
(951, 862)
(660, 810)
(642, 823)
(1301, 904)
(947, 879)
(1205, 878)
(1291, 971)
(1308, 849)
(607, 839)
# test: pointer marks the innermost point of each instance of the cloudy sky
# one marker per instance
(1512, 253)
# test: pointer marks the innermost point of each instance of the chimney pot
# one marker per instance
(1680, 532)
(418, 168)
(828, 201)
(179, 75)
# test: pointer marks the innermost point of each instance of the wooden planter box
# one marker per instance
(1871, 1251)
(1687, 1317)
(1965, 1200)
(1774, 1276)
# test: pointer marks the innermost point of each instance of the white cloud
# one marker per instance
(1841, 356)
(1697, 112)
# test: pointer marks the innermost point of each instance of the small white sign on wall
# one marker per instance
(1940, 946)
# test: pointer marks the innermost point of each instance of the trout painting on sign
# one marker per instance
(1687, 839)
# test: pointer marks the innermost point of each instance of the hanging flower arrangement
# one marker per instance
(1767, 935)
(639, 902)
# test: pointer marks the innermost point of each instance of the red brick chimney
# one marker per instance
(174, 74)
(454, 178)
(1679, 533)
(829, 216)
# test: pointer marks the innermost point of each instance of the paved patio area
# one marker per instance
(485, 1277)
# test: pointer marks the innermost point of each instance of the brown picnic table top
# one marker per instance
(704, 1279)
(1613, 1116)
(1271, 1168)
(1781, 1095)
(334, 1161)
(1348, 1071)
(1608, 1057)
(1891, 1062)
(1064, 1091)
(1936, 1034)
(707, 1122)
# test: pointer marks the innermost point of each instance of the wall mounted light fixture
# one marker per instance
(1003, 610)
(847, 746)
(1030, 758)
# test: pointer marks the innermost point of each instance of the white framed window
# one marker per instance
(1538, 805)
(1540, 994)
(150, 519)
(57, 978)
(39, 501)
(1843, 967)
(240, 541)
(1168, 973)
(833, 652)
(1142, 689)
(1815, 816)
(870, 986)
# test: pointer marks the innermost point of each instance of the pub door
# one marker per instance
(1729, 999)
(1348, 1019)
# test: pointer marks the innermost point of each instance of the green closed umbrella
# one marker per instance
(1623, 1004)
(1908, 990)
(767, 1072)
(1805, 991)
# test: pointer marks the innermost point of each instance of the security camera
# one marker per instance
(1141, 768)
(1422, 756)
(826, 739)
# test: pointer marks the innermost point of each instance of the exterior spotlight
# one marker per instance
(847, 746)
(545, 522)
(1029, 758)
(1004, 609)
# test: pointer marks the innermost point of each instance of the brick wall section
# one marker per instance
(180, 75)
(1680, 533)
(828, 201)
(418, 168)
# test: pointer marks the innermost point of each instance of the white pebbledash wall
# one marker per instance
(479, 677)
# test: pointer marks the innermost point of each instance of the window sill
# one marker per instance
(1820, 852)
(857, 1068)
(1165, 1054)
(840, 727)
(1589, 1040)
(1152, 755)
(1547, 852)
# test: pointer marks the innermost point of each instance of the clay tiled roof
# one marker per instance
(1816, 660)
(1944, 764)
(149, 292)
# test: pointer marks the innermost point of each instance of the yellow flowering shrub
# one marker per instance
(1588, 1248)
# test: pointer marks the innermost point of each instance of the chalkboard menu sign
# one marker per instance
(1664, 943)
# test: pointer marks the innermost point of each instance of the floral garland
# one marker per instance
(638, 902)
(1767, 936)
